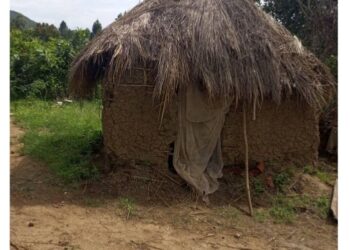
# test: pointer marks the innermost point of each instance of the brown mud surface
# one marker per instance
(136, 207)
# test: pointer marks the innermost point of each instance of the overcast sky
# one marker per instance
(76, 13)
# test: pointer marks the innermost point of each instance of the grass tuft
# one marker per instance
(64, 137)
(228, 212)
(322, 206)
(324, 177)
(283, 179)
(258, 186)
(128, 206)
(261, 215)
(282, 210)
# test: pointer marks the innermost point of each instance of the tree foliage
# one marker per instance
(96, 28)
(45, 31)
(40, 59)
(64, 30)
(315, 22)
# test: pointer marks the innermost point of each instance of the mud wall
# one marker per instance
(132, 129)
(131, 126)
(288, 132)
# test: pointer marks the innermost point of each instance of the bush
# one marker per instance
(39, 67)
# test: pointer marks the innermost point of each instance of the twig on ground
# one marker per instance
(271, 240)
(295, 182)
(145, 178)
(290, 235)
(165, 175)
(165, 203)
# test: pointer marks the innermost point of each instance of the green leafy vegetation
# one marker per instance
(309, 169)
(282, 210)
(228, 212)
(325, 176)
(283, 179)
(321, 206)
(64, 137)
(261, 215)
(40, 56)
(39, 61)
(301, 18)
(285, 208)
(258, 186)
(96, 28)
(228, 215)
(128, 206)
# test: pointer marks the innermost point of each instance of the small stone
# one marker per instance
(63, 243)
(238, 235)
(30, 224)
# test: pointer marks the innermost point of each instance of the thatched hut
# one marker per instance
(230, 50)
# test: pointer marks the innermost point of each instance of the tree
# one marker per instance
(119, 16)
(96, 28)
(313, 21)
(37, 67)
(64, 30)
(46, 31)
(80, 38)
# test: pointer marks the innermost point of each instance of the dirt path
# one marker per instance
(48, 214)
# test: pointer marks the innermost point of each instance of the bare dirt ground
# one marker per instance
(137, 208)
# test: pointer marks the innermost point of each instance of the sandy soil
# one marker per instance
(49, 214)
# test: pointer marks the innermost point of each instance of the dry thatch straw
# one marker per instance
(230, 47)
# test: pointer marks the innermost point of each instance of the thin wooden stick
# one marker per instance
(165, 175)
(254, 109)
(247, 161)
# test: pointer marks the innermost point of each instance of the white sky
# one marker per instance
(76, 13)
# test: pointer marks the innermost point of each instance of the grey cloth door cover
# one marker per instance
(197, 154)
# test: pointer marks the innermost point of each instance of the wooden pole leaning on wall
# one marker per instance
(247, 160)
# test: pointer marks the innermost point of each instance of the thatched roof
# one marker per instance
(231, 47)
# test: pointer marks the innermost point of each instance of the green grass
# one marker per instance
(324, 177)
(258, 186)
(229, 215)
(261, 215)
(128, 206)
(309, 170)
(282, 180)
(321, 206)
(64, 137)
(284, 209)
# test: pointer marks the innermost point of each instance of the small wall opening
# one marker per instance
(171, 150)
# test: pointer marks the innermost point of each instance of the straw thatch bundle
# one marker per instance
(230, 47)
